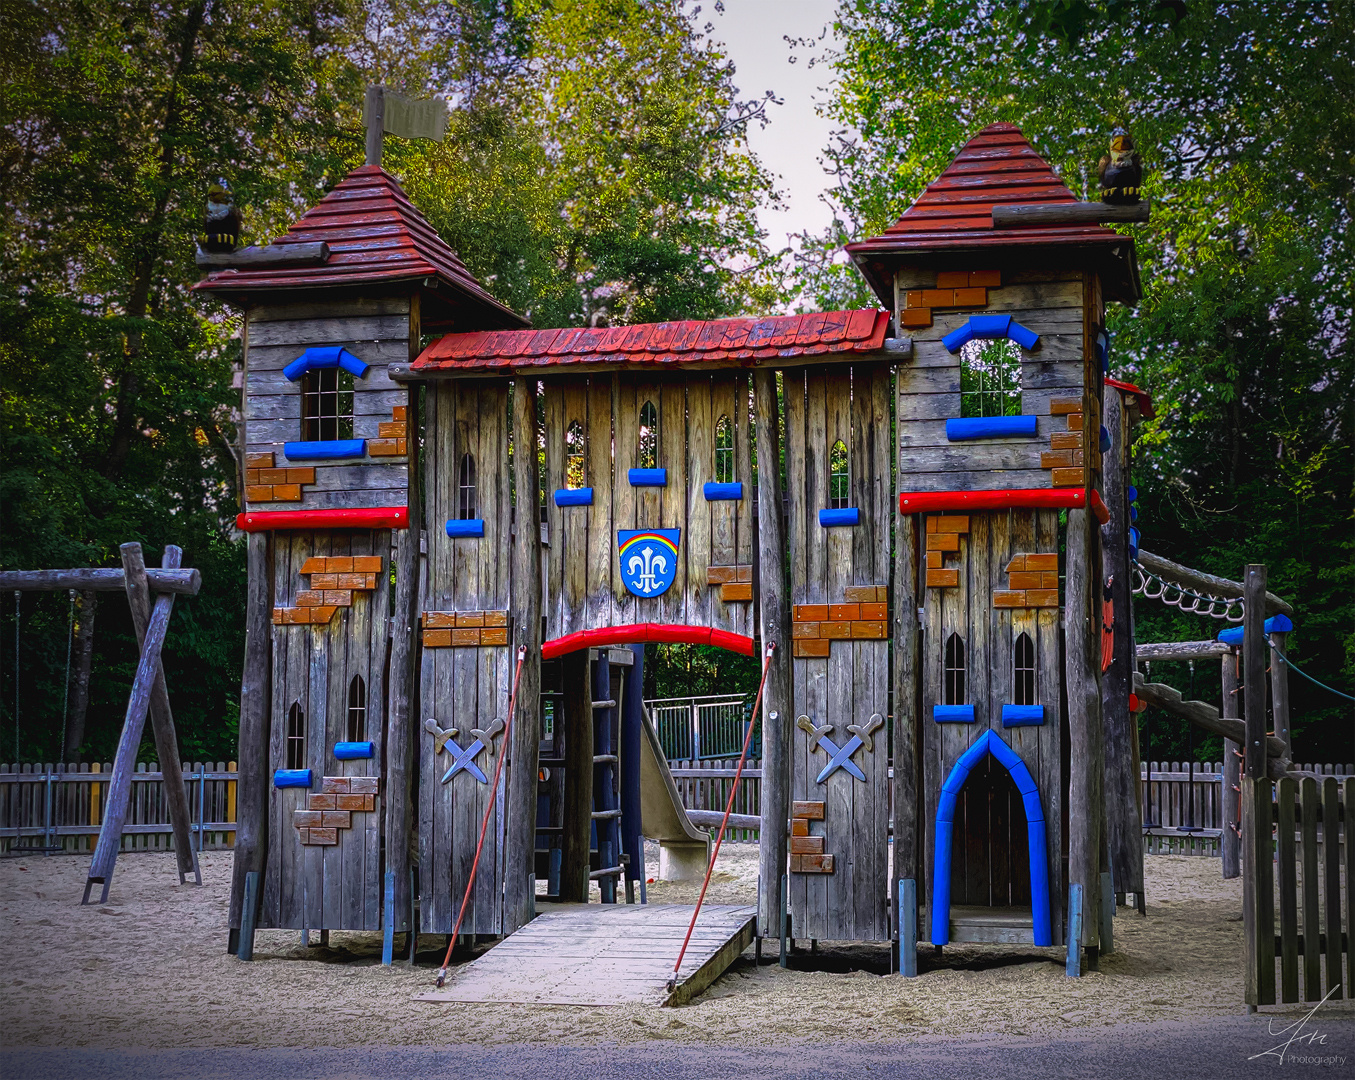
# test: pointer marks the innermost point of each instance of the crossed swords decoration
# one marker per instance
(463, 759)
(840, 757)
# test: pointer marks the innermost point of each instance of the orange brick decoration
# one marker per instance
(863, 616)
(954, 289)
(265, 483)
(464, 629)
(1034, 581)
(806, 851)
(334, 579)
(735, 582)
(943, 538)
(333, 806)
(1064, 459)
(392, 437)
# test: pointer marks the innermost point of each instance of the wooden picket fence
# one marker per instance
(1294, 896)
(58, 807)
(704, 785)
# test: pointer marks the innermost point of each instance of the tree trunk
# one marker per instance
(84, 653)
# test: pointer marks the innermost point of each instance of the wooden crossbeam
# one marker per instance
(1078, 213)
(100, 579)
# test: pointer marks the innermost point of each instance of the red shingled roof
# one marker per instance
(375, 236)
(955, 213)
(718, 343)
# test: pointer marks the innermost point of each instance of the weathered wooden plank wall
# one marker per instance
(823, 406)
(464, 688)
(377, 331)
(1048, 303)
(311, 886)
(584, 585)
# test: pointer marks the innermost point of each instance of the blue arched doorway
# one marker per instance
(990, 743)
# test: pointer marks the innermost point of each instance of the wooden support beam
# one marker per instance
(99, 579)
(1254, 671)
(907, 689)
(249, 258)
(162, 719)
(256, 693)
(1207, 583)
(1124, 825)
(520, 834)
(124, 762)
(1229, 844)
(1204, 715)
(1077, 213)
(1258, 904)
(1086, 768)
(403, 722)
(774, 626)
(1181, 650)
(1279, 692)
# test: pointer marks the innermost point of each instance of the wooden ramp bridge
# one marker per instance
(605, 954)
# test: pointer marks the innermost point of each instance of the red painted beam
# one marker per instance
(638, 633)
(376, 517)
(922, 502)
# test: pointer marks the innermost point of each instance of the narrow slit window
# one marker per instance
(839, 477)
(649, 436)
(1023, 671)
(296, 737)
(575, 474)
(327, 405)
(990, 379)
(724, 451)
(955, 671)
(466, 502)
(357, 710)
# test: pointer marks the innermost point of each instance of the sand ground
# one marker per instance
(149, 969)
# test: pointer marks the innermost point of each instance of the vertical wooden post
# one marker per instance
(401, 719)
(375, 115)
(1124, 825)
(906, 689)
(578, 730)
(520, 835)
(907, 926)
(1279, 692)
(1258, 900)
(774, 626)
(1229, 841)
(1073, 963)
(124, 763)
(1084, 726)
(256, 693)
(162, 720)
(249, 916)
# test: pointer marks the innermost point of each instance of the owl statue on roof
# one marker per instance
(221, 226)
(1120, 171)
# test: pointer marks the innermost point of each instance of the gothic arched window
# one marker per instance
(839, 477)
(649, 436)
(357, 710)
(954, 682)
(576, 476)
(466, 503)
(724, 450)
(296, 737)
(1023, 671)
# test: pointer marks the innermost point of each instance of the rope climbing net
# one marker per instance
(1174, 595)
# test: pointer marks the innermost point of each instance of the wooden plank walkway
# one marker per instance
(604, 954)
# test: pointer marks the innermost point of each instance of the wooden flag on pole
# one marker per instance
(386, 111)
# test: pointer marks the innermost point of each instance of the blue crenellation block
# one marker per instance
(460, 528)
(953, 714)
(292, 778)
(329, 450)
(990, 427)
(831, 519)
(353, 751)
(718, 492)
(648, 477)
(574, 496)
(1022, 715)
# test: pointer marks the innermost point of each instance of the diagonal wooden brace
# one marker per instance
(124, 763)
(162, 720)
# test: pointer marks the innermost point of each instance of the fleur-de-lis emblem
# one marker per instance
(648, 559)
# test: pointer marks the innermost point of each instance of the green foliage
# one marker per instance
(595, 163)
(1245, 115)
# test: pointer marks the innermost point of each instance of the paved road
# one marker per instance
(1179, 1051)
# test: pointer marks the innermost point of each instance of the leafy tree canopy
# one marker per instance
(1245, 116)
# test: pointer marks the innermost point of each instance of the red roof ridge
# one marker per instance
(731, 342)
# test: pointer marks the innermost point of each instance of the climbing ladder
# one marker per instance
(609, 671)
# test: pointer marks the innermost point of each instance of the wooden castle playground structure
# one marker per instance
(952, 536)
